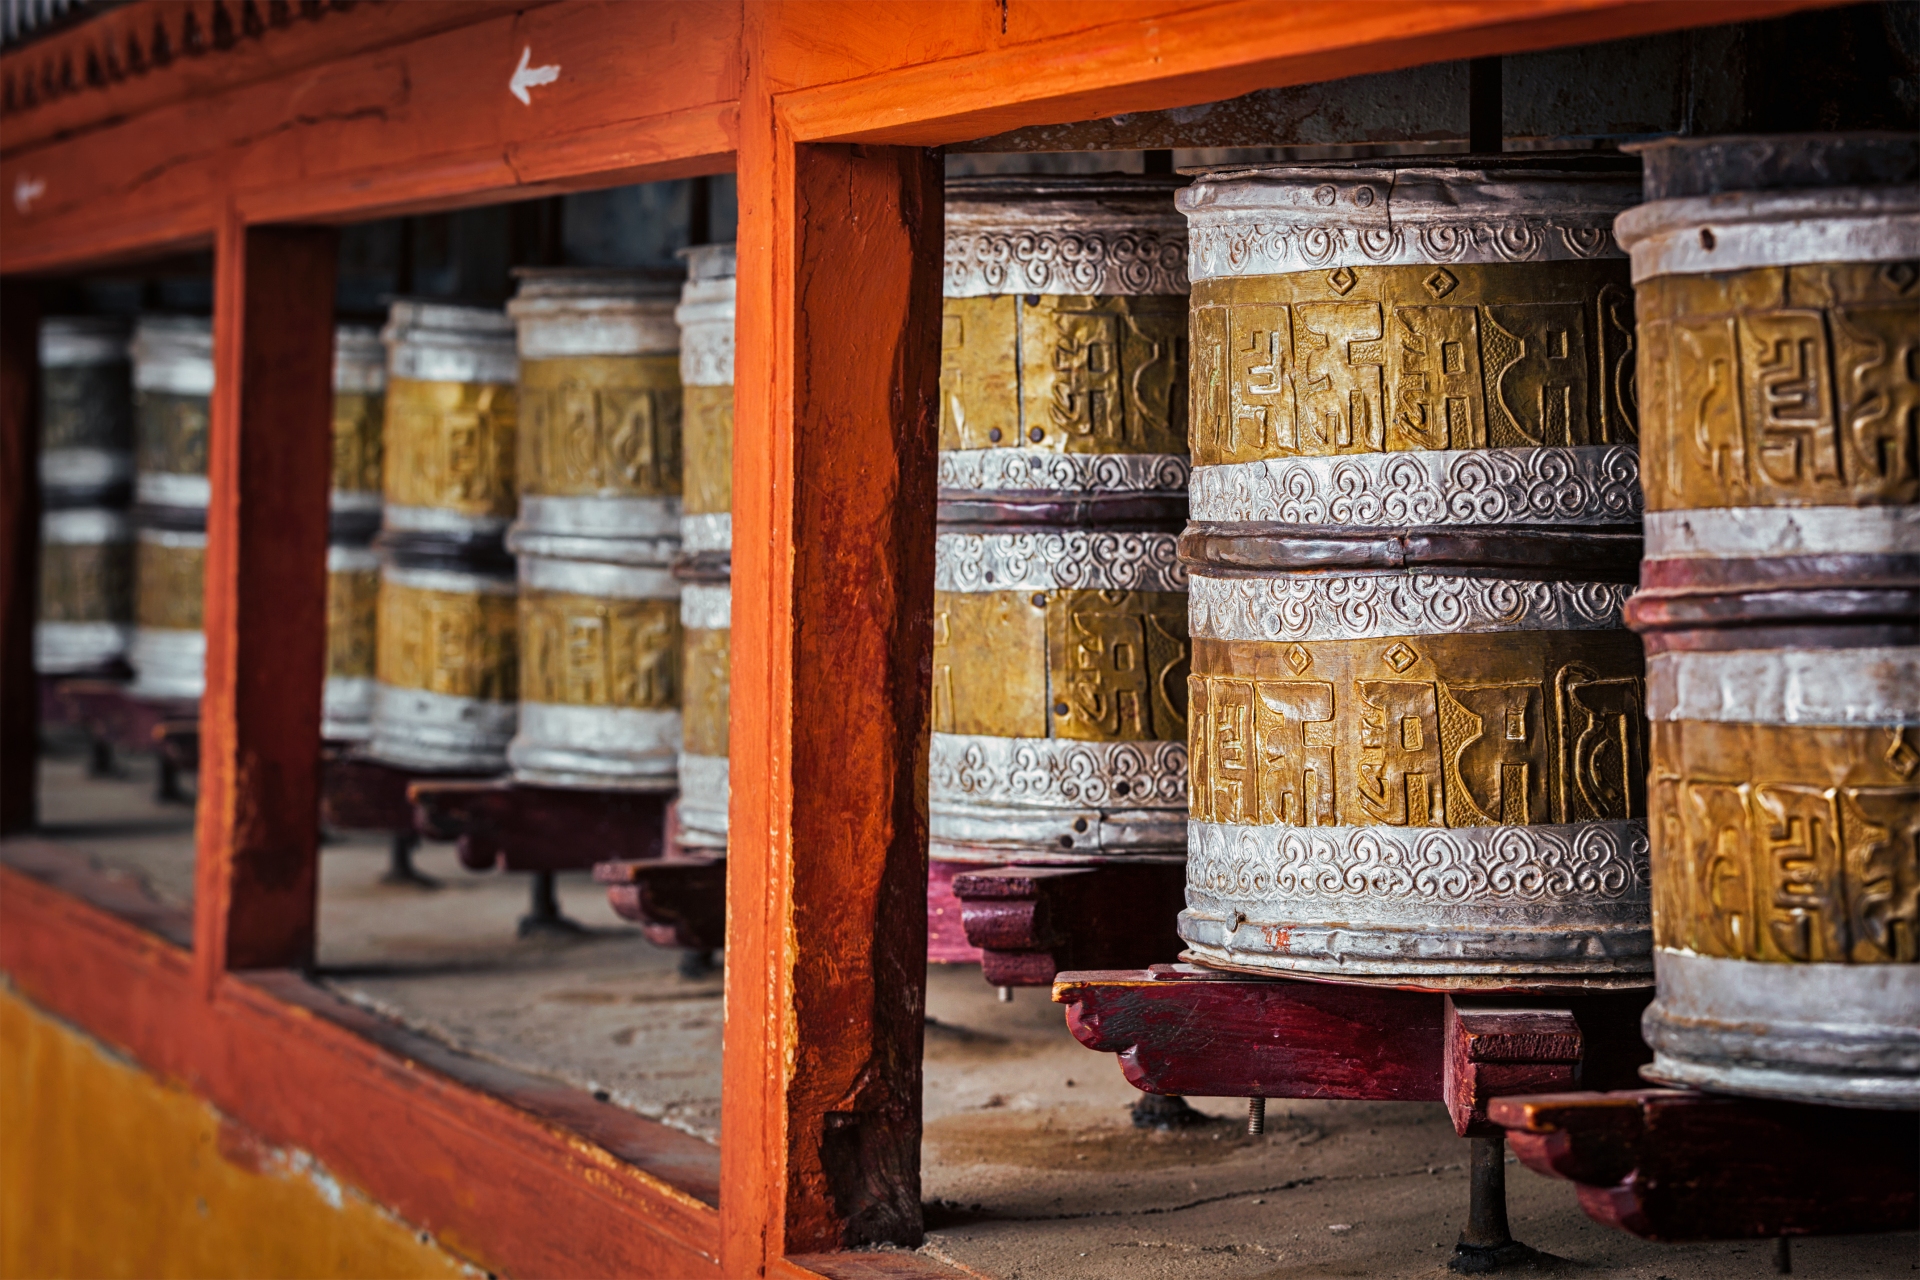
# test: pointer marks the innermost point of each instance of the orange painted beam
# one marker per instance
(269, 452)
(503, 1184)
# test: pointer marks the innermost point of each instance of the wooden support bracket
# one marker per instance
(110, 714)
(1181, 1029)
(1031, 922)
(500, 823)
(1671, 1164)
(361, 794)
(678, 901)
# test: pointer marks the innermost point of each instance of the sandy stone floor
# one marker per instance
(1031, 1166)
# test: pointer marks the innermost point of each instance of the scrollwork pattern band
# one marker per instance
(1586, 485)
(1373, 869)
(1361, 606)
(974, 769)
(1048, 561)
(1029, 260)
(1041, 470)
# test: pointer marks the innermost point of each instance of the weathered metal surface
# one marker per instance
(451, 417)
(86, 589)
(86, 411)
(172, 379)
(353, 568)
(1417, 725)
(353, 592)
(169, 649)
(445, 669)
(1779, 305)
(1109, 234)
(359, 412)
(706, 673)
(599, 473)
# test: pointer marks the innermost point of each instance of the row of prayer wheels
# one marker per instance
(1405, 726)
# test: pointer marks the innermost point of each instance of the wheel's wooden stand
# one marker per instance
(1673, 1164)
(358, 793)
(1029, 923)
(503, 825)
(116, 720)
(1183, 1030)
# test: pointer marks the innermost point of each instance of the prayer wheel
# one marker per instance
(445, 668)
(1778, 288)
(706, 540)
(1060, 652)
(86, 479)
(1418, 742)
(599, 526)
(353, 570)
(172, 384)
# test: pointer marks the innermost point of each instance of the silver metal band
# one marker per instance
(1044, 471)
(359, 360)
(68, 342)
(346, 708)
(704, 794)
(1049, 561)
(708, 531)
(1365, 606)
(1036, 773)
(557, 328)
(441, 342)
(706, 606)
(1872, 686)
(1068, 835)
(60, 647)
(572, 746)
(341, 559)
(85, 468)
(172, 489)
(342, 501)
(657, 517)
(1738, 533)
(706, 332)
(168, 663)
(1840, 1033)
(452, 581)
(1593, 484)
(425, 730)
(1075, 253)
(191, 539)
(1257, 222)
(85, 526)
(590, 578)
(173, 355)
(404, 519)
(1393, 900)
(1739, 230)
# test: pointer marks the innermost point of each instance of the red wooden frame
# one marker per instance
(821, 106)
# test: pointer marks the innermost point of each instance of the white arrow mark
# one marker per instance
(26, 190)
(525, 77)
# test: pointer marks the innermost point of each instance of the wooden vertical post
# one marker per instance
(837, 383)
(268, 459)
(19, 553)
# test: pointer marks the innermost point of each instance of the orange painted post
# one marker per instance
(19, 553)
(268, 461)
(837, 407)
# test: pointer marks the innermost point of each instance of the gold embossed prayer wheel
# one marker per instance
(1059, 681)
(353, 570)
(705, 316)
(173, 383)
(445, 666)
(1778, 282)
(1418, 743)
(86, 478)
(599, 526)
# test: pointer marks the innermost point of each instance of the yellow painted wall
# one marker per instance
(105, 1172)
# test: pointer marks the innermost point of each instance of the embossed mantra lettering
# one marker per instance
(602, 425)
(1070, 374)
(357, 451)
(169, 583)
(172, 432)
(1787, 843)
(85, 581)
(451, 445)
(1783, 386)
(1432, 731)
(352, 599)
(599, 651)
(1376, 359)
(452, 642)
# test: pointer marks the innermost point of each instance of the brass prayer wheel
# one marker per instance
(599, 526)
(1778, 281)
(353, 570)
(86, 479)
(1060, 654)
(445, 668)
(173, 383)
(1418, 739)
(705, 316)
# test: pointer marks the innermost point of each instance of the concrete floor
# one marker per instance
(1031, 1167)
